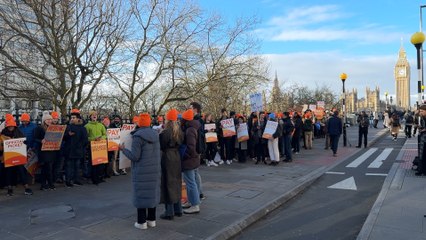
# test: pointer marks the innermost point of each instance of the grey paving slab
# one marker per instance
(381, 233)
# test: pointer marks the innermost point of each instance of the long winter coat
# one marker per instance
(171, 175)
(145, 157)
(43, 156)
(75, 145)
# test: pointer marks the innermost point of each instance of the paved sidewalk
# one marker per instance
(400, 209)
(237, 195)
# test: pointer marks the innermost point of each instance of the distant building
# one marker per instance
(370, 103)
(402, 80)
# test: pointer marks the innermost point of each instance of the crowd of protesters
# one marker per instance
(166, 150)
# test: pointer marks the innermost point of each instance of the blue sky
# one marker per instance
(312, 42)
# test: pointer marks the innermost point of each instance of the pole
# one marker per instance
(344, 115)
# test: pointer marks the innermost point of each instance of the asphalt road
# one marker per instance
(337, 204)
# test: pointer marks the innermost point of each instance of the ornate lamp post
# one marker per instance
(417, 40)
(343, 77)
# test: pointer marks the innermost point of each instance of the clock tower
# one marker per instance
(402, 80)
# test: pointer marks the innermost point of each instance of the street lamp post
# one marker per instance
(386, 104)
(343, 77)
(391, 100)
(417, 40)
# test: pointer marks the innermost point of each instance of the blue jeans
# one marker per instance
(198, 180)
(192, 190)
(174, 208)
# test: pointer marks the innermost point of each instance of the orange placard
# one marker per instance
(184, 197)
(15, 152)
(242, 132)
(99, 152)
(228, 127)
(113, 135)
(53, 138)
(211, 135)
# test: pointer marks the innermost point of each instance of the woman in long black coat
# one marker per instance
(171, 176)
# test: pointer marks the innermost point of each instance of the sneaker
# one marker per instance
(207, 163)
(186, 205)
(228, 162)
(141, 225)
(220, 162)
(296, 153)
(192, 209)
(151, 223)
(28, 191)
(202, 196)
(116, 174)
(212, 163)
(78, 183)
(52, 187)
(123, 172)
(69, 185)
(9, 192)
(44, 188)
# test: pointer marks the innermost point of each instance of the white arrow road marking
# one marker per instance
(355, 163)
(347, 184)
(382, 157)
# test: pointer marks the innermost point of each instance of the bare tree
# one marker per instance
(71, 44)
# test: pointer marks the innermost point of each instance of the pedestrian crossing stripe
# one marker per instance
(355, 163)
(382, 157)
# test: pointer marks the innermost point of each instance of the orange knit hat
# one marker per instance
(8, 116)
(25, 117)
(188, 115)
(135, 120)
(75, 110)
(55, 115)
(10, 123)
(144, 120)
(172, 115)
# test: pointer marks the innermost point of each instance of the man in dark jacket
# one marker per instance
(421, 170)
(334, 129)
(75, 142)
(288, 129)
(191, 160)
(297, 132)
(364, 123)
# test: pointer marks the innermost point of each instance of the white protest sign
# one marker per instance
(256, 103)
(126, 138)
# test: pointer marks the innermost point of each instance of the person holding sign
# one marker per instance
(46, 158)
(211, 140)
(75, 143)
(226, 131)
(241, 141)
(95, 132)
(171, 174)
(145, 157)
(274, 152)
(259, 142)
(11, 173)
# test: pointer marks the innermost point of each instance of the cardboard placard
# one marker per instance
(53, 138)
(270, 129)
(256, 102)
(211, 136)
(113, 135)
(99, 152)
(126, 138)
(242, 132)
(228, 127)
(15, 152)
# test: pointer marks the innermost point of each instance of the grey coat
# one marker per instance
(146, 169)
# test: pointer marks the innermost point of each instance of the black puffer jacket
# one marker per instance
(191, 159)
(74, 145)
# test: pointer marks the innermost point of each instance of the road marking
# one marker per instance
(337, 173)
(347, 184)
(355, 163)
(382, 157)
(376, 174)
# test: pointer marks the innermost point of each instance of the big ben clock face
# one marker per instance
(401, 72)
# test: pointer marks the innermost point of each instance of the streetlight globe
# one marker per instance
(423, 88)
(343, 76)
(417, 38)
(386, 94)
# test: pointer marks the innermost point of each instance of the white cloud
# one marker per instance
(324, 68)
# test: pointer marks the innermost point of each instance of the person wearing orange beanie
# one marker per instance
(172, 115)
(144, 120)
(55, 117)
(27, 128)
(188, 115)
(12, 173)
(170, 139)
(145, 157)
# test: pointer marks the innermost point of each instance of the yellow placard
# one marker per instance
(99, 152)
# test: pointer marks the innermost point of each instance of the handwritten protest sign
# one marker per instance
(15, 152)
(256, 102)
(211, 136)
(99, 152)
(53, 138)
(228, 127)
(242, 132)
(270, 129)
(113, 138)
(312, 107)
(126, 138)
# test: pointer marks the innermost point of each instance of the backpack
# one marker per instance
(410, 119)
(307, 126)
